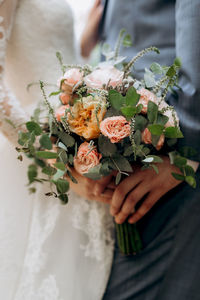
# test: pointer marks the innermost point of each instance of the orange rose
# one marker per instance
(65, 98)
(86, 159)
(104, 75)
(147, 139)
(115, 128)
(145, 97)
(86, 114)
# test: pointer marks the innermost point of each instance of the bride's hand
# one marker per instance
(143, 185)
(91, 189)
(90, 36)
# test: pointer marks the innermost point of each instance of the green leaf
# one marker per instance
(94, 173)
(156, 129)
(127, 42)
(173, 133)
(191, 181)
(48, 170)
(137, 137)
(118, 178)
(139, 108)
(63, 156)
(60, 166)
(64, 198)
(32, 173)
(189, 171)
(55, 93)
(128, 111)
(62, 185)
(73, 179)
(58, 175)
(46, 154)
(171, 71)
(156, 68)
(34, 127)
(155, 168)
(116, 99)
(177, 62)
(121, 163)
(149, 79)
(45, 142)
(152, 158)
(128, 151)
(161, 119)
(105, 146)
(132, 97)
(188, 152)
(67, 139)
(171, 142)
(62, 146)
(152, 111)
(180, 161)
(178, 176)
(140, 123)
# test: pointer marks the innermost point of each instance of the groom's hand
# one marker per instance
(143, 185)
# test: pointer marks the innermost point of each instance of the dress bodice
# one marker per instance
(40, 28)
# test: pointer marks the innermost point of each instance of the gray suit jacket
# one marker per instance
(173, 27)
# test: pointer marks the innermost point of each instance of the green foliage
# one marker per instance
(149, 79)
(156, 68)
(152, 158)
(105, 146)
(140, 123)
(46, 155)
(173, 133)
(156, 129)
(66, 139)
(34, 127)
(60, 166)
(32, 173)
(116, 99)
(94, 173)
(45, 141)
(178, 176)
(121, 164)
(48, 170)
(55, 93)
(152, 112)
(62, 185)
(132, 97)
(127, 41)
(118, 178)
(161, 119)
(128, 111)
(64, 198)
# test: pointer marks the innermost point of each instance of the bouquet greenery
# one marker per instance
(105, 120)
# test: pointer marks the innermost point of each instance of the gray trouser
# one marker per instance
(168, 268)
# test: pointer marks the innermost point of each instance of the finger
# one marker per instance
(121, 191)
(148, 203)
(132, 199)
(107, 193)
(101, 199)
(101, 184)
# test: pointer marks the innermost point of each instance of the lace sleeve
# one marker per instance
(11, 114)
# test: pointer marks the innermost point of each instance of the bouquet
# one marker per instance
(105, 120)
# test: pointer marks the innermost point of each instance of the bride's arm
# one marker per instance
(10, 110)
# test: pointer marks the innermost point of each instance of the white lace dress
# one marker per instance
(47, 251)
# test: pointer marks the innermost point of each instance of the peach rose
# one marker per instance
(115, 128)
(65, 98)
(68, 81)
(102, 76)
(86, 114)
(145, 97)
(86, 159)
(147, 139)
(60, 112)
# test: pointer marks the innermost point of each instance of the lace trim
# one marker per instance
(43, 223)
(10, 110)
(94, 220)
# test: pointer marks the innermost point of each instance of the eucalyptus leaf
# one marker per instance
(46, 154)
(94, 173)
(32, 173)
(137, 137)
(161, 119)
(171, 71)
(173, 132)
(140, 123)
(106, 147)
(62, 185)
(180, 161)
(149, 79)
(48, 170)
(66, 139)
(116, 99)
(34, 127)
(152, 158)
(156, 129)
(132, 97)
(128, 111)
(58, 175)
(122, 164)
(177, 62)
(64, 198)
(152, 111)
(60, 166)
(127, 41)
(118, 178)
(191, 181)
(62, 146)
(178, 176)
(156, 68)
(45, 142)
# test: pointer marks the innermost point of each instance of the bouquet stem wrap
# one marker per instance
(128, 238)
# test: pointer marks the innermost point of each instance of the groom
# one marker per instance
(169, 217)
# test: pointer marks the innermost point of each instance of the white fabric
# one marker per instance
(47, 251)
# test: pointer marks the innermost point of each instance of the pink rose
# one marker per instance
(86, 159)
(115, 128)
(65, 98)
(147, 139)
(69, 79)
(60, 112)
(103, 76)
(145, 97)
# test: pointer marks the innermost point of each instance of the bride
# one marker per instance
(47, 251)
